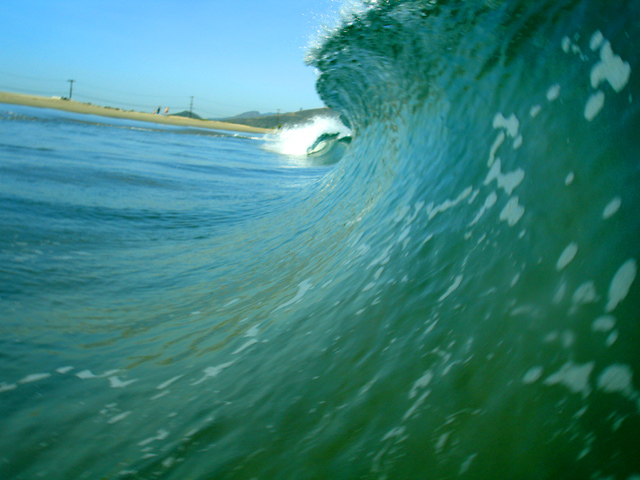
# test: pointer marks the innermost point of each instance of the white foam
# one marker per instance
(64, 370)
(610, 68)
(507, 181)
(612, 208)
(567, 256)
(611, 339)
(532, 375)
(211, 372)
(511, 124)
(416, 405)
(115, 382)
(569, 178)
(34, 377)
(517, 143)
(585, 293)
(622, 280)
(574, 377)
(594, 105)
(416, 210)
(467, 464)
(253, 331)
(489, 202)
(494, 148)
(603, 323)
(245, 346)
(164, 385)
(534, 111)
(395, 432)
(442, 441)
(430, 328)
(118, 418)
(296, 140)
(161, 394)
(85, 374)
(383, 258)
(6, 387)
(422, 382)
(452, 288)
(553, 93)
(401, 213)
(616, 378)
(447, 204)
(596, 40)
(303, 287)
(161, 435)
(512, 212)
(585, 451)
(369, 286)
(368, 386)
(404, 234)
(581, 412)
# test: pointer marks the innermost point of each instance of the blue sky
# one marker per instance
(231, 56)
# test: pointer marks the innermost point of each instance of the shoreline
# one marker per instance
(86, 108)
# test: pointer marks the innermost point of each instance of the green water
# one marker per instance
(455, 297)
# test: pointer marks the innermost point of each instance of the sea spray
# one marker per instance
(296, 140)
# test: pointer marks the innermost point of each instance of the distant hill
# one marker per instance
(255, 119)
(187, 114)
(251, 114)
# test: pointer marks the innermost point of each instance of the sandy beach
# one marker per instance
(77, 107)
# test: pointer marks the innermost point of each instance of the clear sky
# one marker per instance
(232, 56)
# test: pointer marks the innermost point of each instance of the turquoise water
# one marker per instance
(456, 296)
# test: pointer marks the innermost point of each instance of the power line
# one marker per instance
(30, 77)
(147, 95)
(22, 90)
(210, 110)
(79, 96)
(106, 101)
(158, 97)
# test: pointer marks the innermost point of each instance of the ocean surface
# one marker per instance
(451, 294)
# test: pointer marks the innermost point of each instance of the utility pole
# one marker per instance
(191, 108)
(70, 88)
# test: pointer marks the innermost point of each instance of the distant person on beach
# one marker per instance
(166, 111)
(157, 112)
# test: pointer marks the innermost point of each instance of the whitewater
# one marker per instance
(445, 286)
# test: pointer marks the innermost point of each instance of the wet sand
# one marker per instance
(78, 107)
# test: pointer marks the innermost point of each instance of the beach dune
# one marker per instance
(78, 107)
